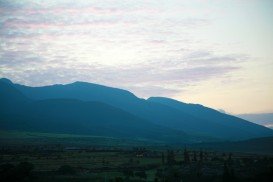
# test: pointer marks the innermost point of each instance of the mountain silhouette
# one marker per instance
(88, 108)
(77, 117)
(231, 123)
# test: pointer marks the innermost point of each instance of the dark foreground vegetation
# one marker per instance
(41, 163)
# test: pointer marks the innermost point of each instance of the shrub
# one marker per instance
(66, 170)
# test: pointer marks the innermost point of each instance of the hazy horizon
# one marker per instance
(215, 53)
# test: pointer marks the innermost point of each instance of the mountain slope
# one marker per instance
(78, 117)
(184, 118)
(230, 122)
(153, 112)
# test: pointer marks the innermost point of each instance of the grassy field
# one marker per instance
(28, 156)
(18, 138)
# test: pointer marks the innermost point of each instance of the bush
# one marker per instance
(141, 174)
(128, 172)
(66, 170)
(20, 172)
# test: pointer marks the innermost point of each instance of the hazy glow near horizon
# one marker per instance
(216, 53)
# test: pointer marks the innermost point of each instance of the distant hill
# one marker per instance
(156, 118)
(231, 123)
(265, 119)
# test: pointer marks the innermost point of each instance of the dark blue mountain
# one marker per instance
(79, 90)
(77, 117)
(198, 120)
(230, 122)
(153, 112)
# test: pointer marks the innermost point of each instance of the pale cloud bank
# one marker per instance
(161, 48)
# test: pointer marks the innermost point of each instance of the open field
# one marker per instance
(61, 157)
(19, 138)
(138, 164)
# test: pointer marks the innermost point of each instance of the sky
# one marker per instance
(218, 53)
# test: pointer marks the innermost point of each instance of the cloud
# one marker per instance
(147, 91)
(20, 58)
(206, 58)
(146, 47)
(143, 79)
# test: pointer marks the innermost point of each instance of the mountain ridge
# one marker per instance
(187, 118)
(206, 113)
(79, 117)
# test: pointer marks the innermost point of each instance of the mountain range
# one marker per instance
(92, 109)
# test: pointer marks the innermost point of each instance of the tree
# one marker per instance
(228, 173)
(186, 156)
(170, 157)
(159, 173)
(201, 155)
(7, 171)
(128, 172)
(141, 174)
(163, 158)
(66, 169)
(20, 172)
(119, 179)
(206, 156)
(199, 169)
(194, 156)
(24, 168)
(230, 158)
(173, 175)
